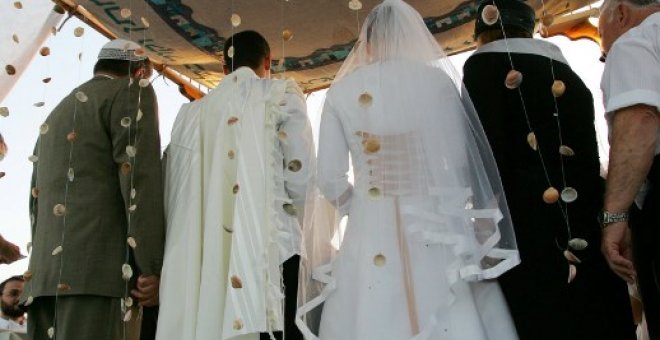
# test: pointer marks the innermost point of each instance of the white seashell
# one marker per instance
(131, 151)
(39, 104)
(230, 52)
(4, 111)
(145, 22)
(125, 13)
(235, 20)
(143, 82)
(572, 272)
(571, 257)
(70, 175)
(578, 243)
(28, 245)
(550, 195)
(238, 324)
(531, 140)
(51, 332)
(126, 122)
(59, 210)
(131, 242)
(78, 32)
(569, 195)
(43, 129)
(128, 302)
(355, 5)
(33, 158)
(132, 208)
(81, 96)
(513, 79)
(127, 316)
(380, 260)
(490, 14)
(29, 300)
(566, 151)
(558, 88)
(133, 193)
(57, 250)
(139, 115)
(126, 271)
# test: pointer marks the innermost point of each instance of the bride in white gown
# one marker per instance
(428, 228)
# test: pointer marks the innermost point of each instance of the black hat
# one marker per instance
(513, 13)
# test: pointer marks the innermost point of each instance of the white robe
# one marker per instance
(226, 188)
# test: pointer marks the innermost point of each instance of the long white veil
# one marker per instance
(421, 147)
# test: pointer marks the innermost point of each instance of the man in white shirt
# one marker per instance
(12, 316)
(237, 172)
(630, 31)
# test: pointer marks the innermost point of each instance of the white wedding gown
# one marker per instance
(370, 299)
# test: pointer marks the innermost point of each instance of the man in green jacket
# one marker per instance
(96, 205)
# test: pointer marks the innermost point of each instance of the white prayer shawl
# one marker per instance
(221, 276)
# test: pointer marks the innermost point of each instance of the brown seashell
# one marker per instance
(380, 260)
(371, 145)
(125, 13)
(550, 195)
(232, 120)
(72, 136)
(281, 134)
(59, 210)
(231, 154)
(558, 88)
(44, 51)
(571, 257)
(236, 282)
(295, 165)
(63, 287)
(78, 32)
(4, 111)
(238, 324)
(18, 5)
(566, 151)
(365, 99)
(2, 174)
(10, 69)
(46, 80)
(531, 140)
(235, 189)
(27, 275)
(513, 79)
(572, 272)
(14, 37)
(35, 192)
(125, 168)
(287, 35)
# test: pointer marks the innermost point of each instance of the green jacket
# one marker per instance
(94, 230)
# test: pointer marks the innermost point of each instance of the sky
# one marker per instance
(20, 129)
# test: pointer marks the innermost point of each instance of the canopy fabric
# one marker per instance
(189, 35)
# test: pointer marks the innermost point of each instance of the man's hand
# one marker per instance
(146, 291)
(9, 252)
(615, 245)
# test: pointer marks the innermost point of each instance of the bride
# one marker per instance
(428, 228)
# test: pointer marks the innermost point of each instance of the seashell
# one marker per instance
(33, 158)
(145, 22)
(46, 80)
(571, 257)
(232, 120)
(281, 134)
(235, 20)
(550, 195)
(131, 151)
(125, 168)
(2, 174)
(71, 136)
(558, 88)
(513, 79)
(51, 332)
(295, 165)
(128, 302)
(290, 209)
(131, 242)
(63, 287)
(35, 192)
(80, 56)
(139, 52)
(126, 271)
(365, 99)
(10, 69)
(39, 104)
(355, 5)
(227, 228)
(59, 210)
(126, 122)
(143, 82)
(18, 5)
(133, 193)
(57, 250)
(572, 271)
(371, 145)
(29, 300)
(43, 129)
(125, 13)
(231, 154)
(238, 324)
(566, 151)
(59, 9)
(127, 315)
(236, 282)
(14, 37)
(27, 275)
(578, 243)
(287, 35)
(4, 111)
(44, 51)
(374, 193)
(230, 52)
(138, 116)
(569, 195)
(53, 30)
(235, 189)
(71, 175)
(531, 140)
(548, 19)
(380, 260)
(132, 208)
(490, 14)
(81, 96)
(78, 32)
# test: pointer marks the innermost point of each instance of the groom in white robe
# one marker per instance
(237, 171)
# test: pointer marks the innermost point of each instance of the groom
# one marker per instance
(236, 180)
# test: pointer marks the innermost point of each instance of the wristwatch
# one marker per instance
(606, 218)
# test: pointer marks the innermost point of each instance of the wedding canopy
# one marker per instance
(309, 38)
